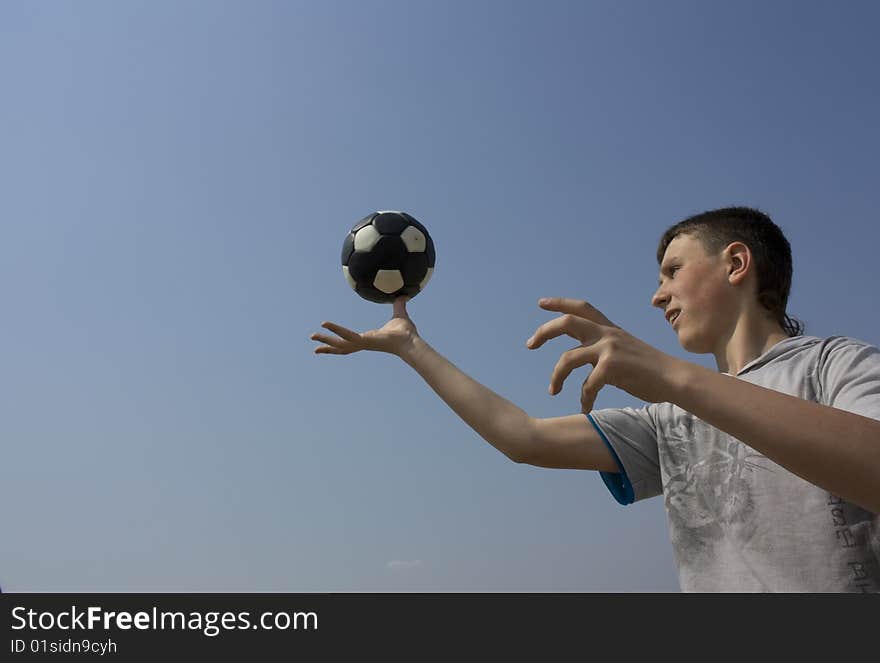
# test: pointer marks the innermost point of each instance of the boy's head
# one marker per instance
(714, 256)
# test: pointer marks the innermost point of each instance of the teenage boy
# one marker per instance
(769, 466)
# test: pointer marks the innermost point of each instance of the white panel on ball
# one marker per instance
(426, 279)
(414, 239)
(388, 280)
(366, 238)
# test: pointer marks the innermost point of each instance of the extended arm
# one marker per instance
(563, 442)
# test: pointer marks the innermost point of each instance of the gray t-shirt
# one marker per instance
(738, 521)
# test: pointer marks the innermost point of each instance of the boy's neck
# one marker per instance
(751, 338)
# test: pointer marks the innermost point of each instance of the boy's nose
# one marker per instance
(660, 299)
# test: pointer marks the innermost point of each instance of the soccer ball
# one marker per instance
(387, 255)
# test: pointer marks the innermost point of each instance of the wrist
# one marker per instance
(682, 376)
(412, 349)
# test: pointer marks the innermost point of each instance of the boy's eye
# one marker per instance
(673, 270)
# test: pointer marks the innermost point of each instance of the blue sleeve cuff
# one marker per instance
(617, 482)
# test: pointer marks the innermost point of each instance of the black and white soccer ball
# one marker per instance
(387, 255)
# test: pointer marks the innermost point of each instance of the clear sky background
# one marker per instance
(177, 178)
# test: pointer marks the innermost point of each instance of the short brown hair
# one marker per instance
(771, 250)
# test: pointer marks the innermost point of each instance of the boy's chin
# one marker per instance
(694, 344)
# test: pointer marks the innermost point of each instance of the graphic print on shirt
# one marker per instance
(711, 499)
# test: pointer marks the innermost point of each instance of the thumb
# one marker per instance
(400, 307)
(590, 389)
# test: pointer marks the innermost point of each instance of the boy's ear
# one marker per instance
(739, 262)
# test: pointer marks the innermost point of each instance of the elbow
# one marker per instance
(518, 457)
(521, 446)
(512, 450)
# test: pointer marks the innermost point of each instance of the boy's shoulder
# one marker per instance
(813, 355)
(833, 342)
(846, 349)
(823, 347)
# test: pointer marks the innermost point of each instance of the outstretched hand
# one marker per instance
(617, 357)
(393, 337)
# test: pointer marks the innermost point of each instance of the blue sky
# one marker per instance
(178, 178)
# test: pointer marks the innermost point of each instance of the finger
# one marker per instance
(327, 350)
(341, 331)
(590, 389)
(334, 342)
(583, 330)
(400, 307)
(570, 360)
(576, 307)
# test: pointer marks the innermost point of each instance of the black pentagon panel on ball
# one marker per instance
(409, 290)
(390, 223)
(363, 222)
(389, 252)
(347, 248)
(372, 294)
(415, 268)
(362, 266)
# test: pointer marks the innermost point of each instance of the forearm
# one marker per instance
(501, 423)
(834, 449)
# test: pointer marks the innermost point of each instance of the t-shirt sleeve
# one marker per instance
(631, 437)
(848, 374)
